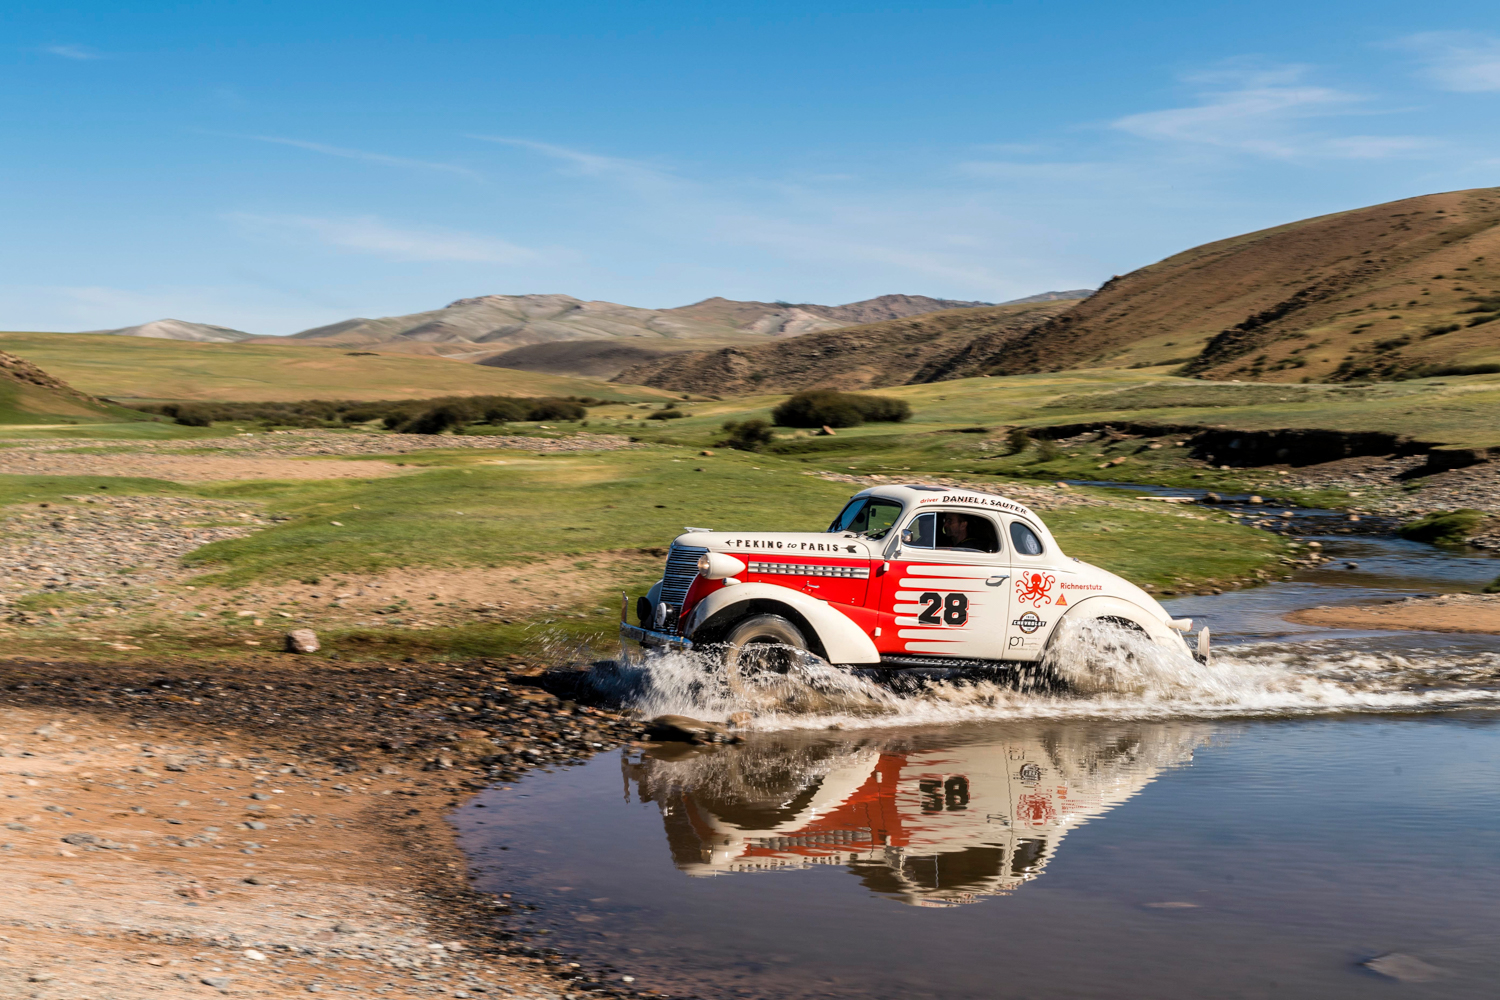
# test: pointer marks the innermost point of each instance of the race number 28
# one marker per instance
(953, 609)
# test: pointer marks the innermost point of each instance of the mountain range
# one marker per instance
(1402, 289)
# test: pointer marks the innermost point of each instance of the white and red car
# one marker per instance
(905, 576)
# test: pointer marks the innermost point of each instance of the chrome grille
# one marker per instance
(682, 568)
(798, 569)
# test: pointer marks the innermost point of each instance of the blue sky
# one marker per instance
(273, 166)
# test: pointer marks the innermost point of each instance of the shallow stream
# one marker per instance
(1314, 800)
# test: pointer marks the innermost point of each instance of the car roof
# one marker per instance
(914, 495)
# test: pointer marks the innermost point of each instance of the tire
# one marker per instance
(758, 651)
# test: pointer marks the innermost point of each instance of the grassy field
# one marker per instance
(1454, 411)
(133, 369)
(465, 510)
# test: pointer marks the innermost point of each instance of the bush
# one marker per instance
(1452, 528)
(192, 416)
(826, 408)
(747, 435)
(667, 415)
(555, 409)
(1017, 440)
(1493, 587)
(503, 411)
(447, 417)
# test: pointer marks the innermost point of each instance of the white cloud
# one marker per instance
(79, 52)
(1462, 61)
(367, 234)
(368, 157)
(633, 173)
(1267, 112)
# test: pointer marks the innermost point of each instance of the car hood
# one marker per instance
(820, 544)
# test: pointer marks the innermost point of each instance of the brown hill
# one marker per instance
(28, 395)
(1388, 291)
(895, 352)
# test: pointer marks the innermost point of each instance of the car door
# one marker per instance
(1036, 599)
(946, 596)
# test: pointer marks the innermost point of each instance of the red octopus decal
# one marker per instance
(1035, 588)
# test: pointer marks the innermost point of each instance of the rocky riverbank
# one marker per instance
(271, 829)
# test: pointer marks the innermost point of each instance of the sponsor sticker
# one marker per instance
(1029, 622)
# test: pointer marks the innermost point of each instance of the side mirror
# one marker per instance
(906, 536)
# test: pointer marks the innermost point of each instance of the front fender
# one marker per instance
(842, 640)
(1105, 606)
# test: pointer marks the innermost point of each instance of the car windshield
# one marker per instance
(869, 516)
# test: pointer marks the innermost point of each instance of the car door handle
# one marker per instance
(996, 581)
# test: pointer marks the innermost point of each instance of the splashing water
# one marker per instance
(1092, 671)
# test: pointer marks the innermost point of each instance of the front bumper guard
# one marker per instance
(646, 636)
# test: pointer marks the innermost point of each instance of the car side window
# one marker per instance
(966, 532)
(1024, 540)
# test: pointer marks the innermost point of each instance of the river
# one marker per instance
(1316, 815)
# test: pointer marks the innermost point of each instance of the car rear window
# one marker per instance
(1024, 540)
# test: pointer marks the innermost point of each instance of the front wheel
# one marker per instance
(758, 654)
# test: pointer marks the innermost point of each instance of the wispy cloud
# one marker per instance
(1463, 61)
(1268, 112)
(366, 156)
(638, 175)
(79, 52)
(367, 234)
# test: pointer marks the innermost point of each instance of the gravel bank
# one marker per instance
(270, 829)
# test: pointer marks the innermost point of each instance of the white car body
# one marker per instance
(887, 598)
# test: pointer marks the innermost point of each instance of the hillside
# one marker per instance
(1387, 291)
(895, 352)
(481, 328)
(29, 395)
(176, 329)
(133, 368)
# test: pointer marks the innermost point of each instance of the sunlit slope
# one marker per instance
(1457, 412)
(30, 396)
(1377, 292)
(131, 368)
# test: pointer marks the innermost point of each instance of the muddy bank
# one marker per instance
(1450, 613)
(271, 828)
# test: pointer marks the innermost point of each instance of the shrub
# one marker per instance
(1017, 440)
(1440, 329)
(436, 420)
(748, 435)
(1493, 587)
(1451, 528)
(503, 411)
(555, 409)
(667, 415)
(193, 416)
(1047, 450)
(825, 407)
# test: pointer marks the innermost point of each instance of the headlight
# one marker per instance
(718, 566)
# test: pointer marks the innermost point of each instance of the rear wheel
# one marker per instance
(758, 654)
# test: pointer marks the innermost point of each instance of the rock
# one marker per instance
(255, 956)
(255, 824)
(1403, 968)
(302, 640)
(826, 431)
(740, 720)
(1256, 499)
(1211, 498)
(706, 453)
(681, 729)
(343, 928)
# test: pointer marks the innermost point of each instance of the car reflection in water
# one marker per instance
(930, 825)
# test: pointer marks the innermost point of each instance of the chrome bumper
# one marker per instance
(646, 637)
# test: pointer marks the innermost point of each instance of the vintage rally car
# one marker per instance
(904, 577)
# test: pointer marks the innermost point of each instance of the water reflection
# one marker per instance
(930, 820)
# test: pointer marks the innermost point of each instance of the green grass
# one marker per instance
(142, 369)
